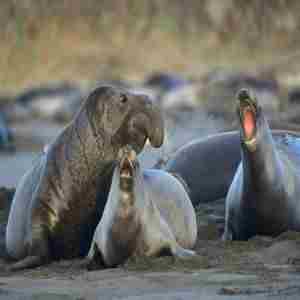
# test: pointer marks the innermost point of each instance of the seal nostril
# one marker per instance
(243, 95)
(123, 98)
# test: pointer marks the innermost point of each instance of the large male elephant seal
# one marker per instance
(56, 198)
(264, 195)
(148, 212)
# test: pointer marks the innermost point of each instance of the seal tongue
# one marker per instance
(248, 123)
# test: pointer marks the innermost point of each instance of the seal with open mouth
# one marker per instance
(207, 165)
(264, 195)
(148, 213)
(56, 200)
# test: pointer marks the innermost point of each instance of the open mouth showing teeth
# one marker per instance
(126, 168)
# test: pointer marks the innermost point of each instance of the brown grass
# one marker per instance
(130, 40)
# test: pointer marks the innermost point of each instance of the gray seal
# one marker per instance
(148, 213)
(207, 165)
(264, 195)
(56, 199)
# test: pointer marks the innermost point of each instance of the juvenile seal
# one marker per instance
(148, 212)
(264, 195)
(56, 199)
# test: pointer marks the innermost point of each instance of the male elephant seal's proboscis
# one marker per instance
(264, 195)
(56, 199)
(148, 213)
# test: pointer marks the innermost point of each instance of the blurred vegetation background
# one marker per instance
(44, 40)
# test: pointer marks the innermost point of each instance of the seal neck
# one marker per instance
(90, 154)
(261, 166)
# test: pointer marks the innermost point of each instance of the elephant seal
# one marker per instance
(7, 142)
(207, 165)
(165, 81)
(57, 101)
(264, 195)
(56, 199)
(148, 213)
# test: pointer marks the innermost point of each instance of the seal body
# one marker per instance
(54, 208)
(148, 213)
(264, 195)
(208, 165)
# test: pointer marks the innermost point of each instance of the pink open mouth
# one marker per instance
(248, 118)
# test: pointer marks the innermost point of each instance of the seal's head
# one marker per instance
(125, 117)
(249, 113)
(128, 167)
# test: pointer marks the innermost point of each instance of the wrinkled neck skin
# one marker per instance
(88, 149)
(262, 167)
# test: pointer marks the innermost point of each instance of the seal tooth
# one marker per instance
(126, 168)
(251, 144)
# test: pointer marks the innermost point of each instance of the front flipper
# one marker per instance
(182, 253)
(26, 263)
(38, 251)
(227, 235)
(94, 260)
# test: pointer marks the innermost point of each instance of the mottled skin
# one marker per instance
(264, 195)
(148, 213)
(54, 207)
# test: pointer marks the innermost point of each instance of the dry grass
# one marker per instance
(128, 42)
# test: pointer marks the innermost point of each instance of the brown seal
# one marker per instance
(56, 198)
(148, 213)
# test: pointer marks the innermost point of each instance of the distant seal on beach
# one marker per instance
(56, 199)
(7, 142)
(56, 101)
(148, 213)
(264, 195)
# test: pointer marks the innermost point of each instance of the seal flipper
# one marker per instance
(182, 253)
(94, 260)
(38, 253)
(27, 262)
(227, 235)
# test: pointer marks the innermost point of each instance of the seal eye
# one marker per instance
(123, 98)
